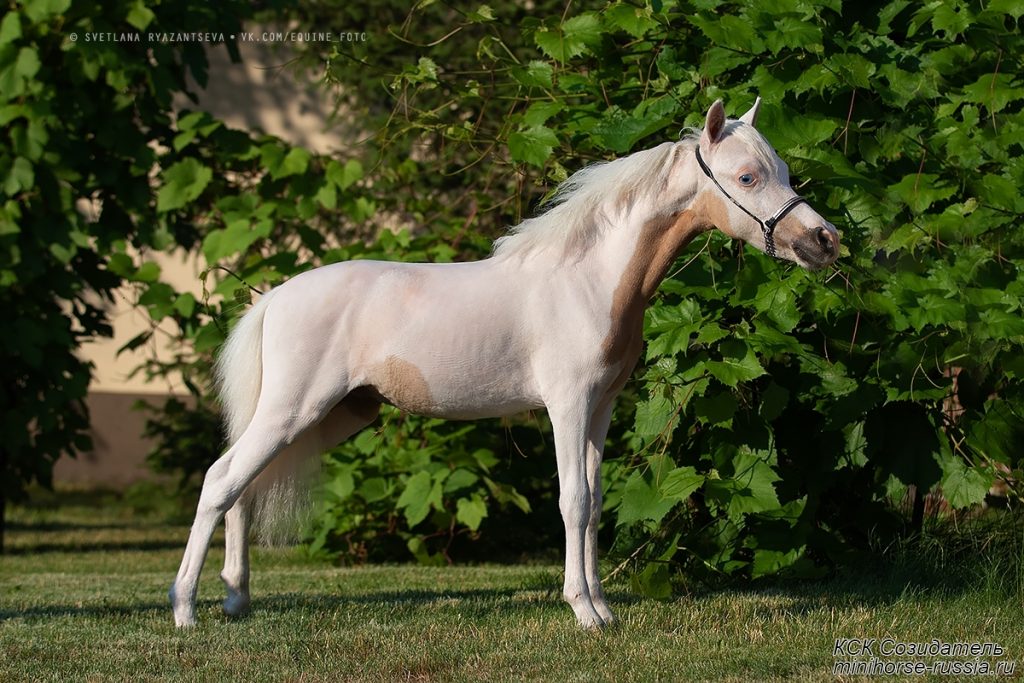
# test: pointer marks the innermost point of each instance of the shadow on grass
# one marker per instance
(80, 546)
(84, 527)
(787, 600)
(91, 611)
(47, 537)
(876, 586)
(476, 600)
(403, 602)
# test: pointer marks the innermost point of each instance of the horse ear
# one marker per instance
(714, 125)
(750, 118)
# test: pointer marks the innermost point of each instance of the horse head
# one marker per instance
(746, 193)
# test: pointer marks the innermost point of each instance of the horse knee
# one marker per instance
(575, 509)
(232, 473)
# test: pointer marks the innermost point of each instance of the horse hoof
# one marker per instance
(236, 605)
(184, 615)
(590, 621)
(603, 611)
(184, 618)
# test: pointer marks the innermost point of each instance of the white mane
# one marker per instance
(575, 212)
(595, 196)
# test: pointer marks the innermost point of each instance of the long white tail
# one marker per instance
(279, 496)
(239, 369)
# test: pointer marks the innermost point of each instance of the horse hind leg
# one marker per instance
(270, 497)
(224, 483)
(348, 417)
(273, 426)
(237, 522)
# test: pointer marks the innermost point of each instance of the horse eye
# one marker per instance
(747, 179)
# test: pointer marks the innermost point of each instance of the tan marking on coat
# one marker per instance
(402, 384)
(661, 238)
(713, 212)
(629, 360)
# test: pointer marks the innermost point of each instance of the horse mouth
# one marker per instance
(813, 257)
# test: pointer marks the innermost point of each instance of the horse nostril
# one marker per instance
(826, 241)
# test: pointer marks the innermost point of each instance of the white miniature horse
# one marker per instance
(553, 319)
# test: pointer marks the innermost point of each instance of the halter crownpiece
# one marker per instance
(767, 226)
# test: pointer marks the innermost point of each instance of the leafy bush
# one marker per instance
(75, 198)
(783, 417)
(427, 491)
(780, 418)
(187, 438)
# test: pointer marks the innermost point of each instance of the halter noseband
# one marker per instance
(767, 226)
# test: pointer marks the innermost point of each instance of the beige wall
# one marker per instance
(259, 94)
(119, 452)
(112, 373)
(264, 93)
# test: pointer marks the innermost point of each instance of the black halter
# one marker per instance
(768, 226)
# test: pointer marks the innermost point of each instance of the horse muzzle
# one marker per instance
(818, 247)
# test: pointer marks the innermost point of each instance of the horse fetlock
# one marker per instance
(582, 606)
(599, 601)
(237, 584)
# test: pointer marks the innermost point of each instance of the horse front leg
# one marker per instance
(574, 501)
(597, 435)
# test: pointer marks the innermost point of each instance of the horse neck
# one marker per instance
(640, 251)
(636, 257)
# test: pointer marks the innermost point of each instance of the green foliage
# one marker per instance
(424, 482)
(75, 202)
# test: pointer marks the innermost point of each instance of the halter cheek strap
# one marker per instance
(767, 226)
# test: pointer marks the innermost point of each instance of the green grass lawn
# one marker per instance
(83, 597)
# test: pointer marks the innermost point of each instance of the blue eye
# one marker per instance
(747, 179)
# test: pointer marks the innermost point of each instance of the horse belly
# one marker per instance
(455, 391)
